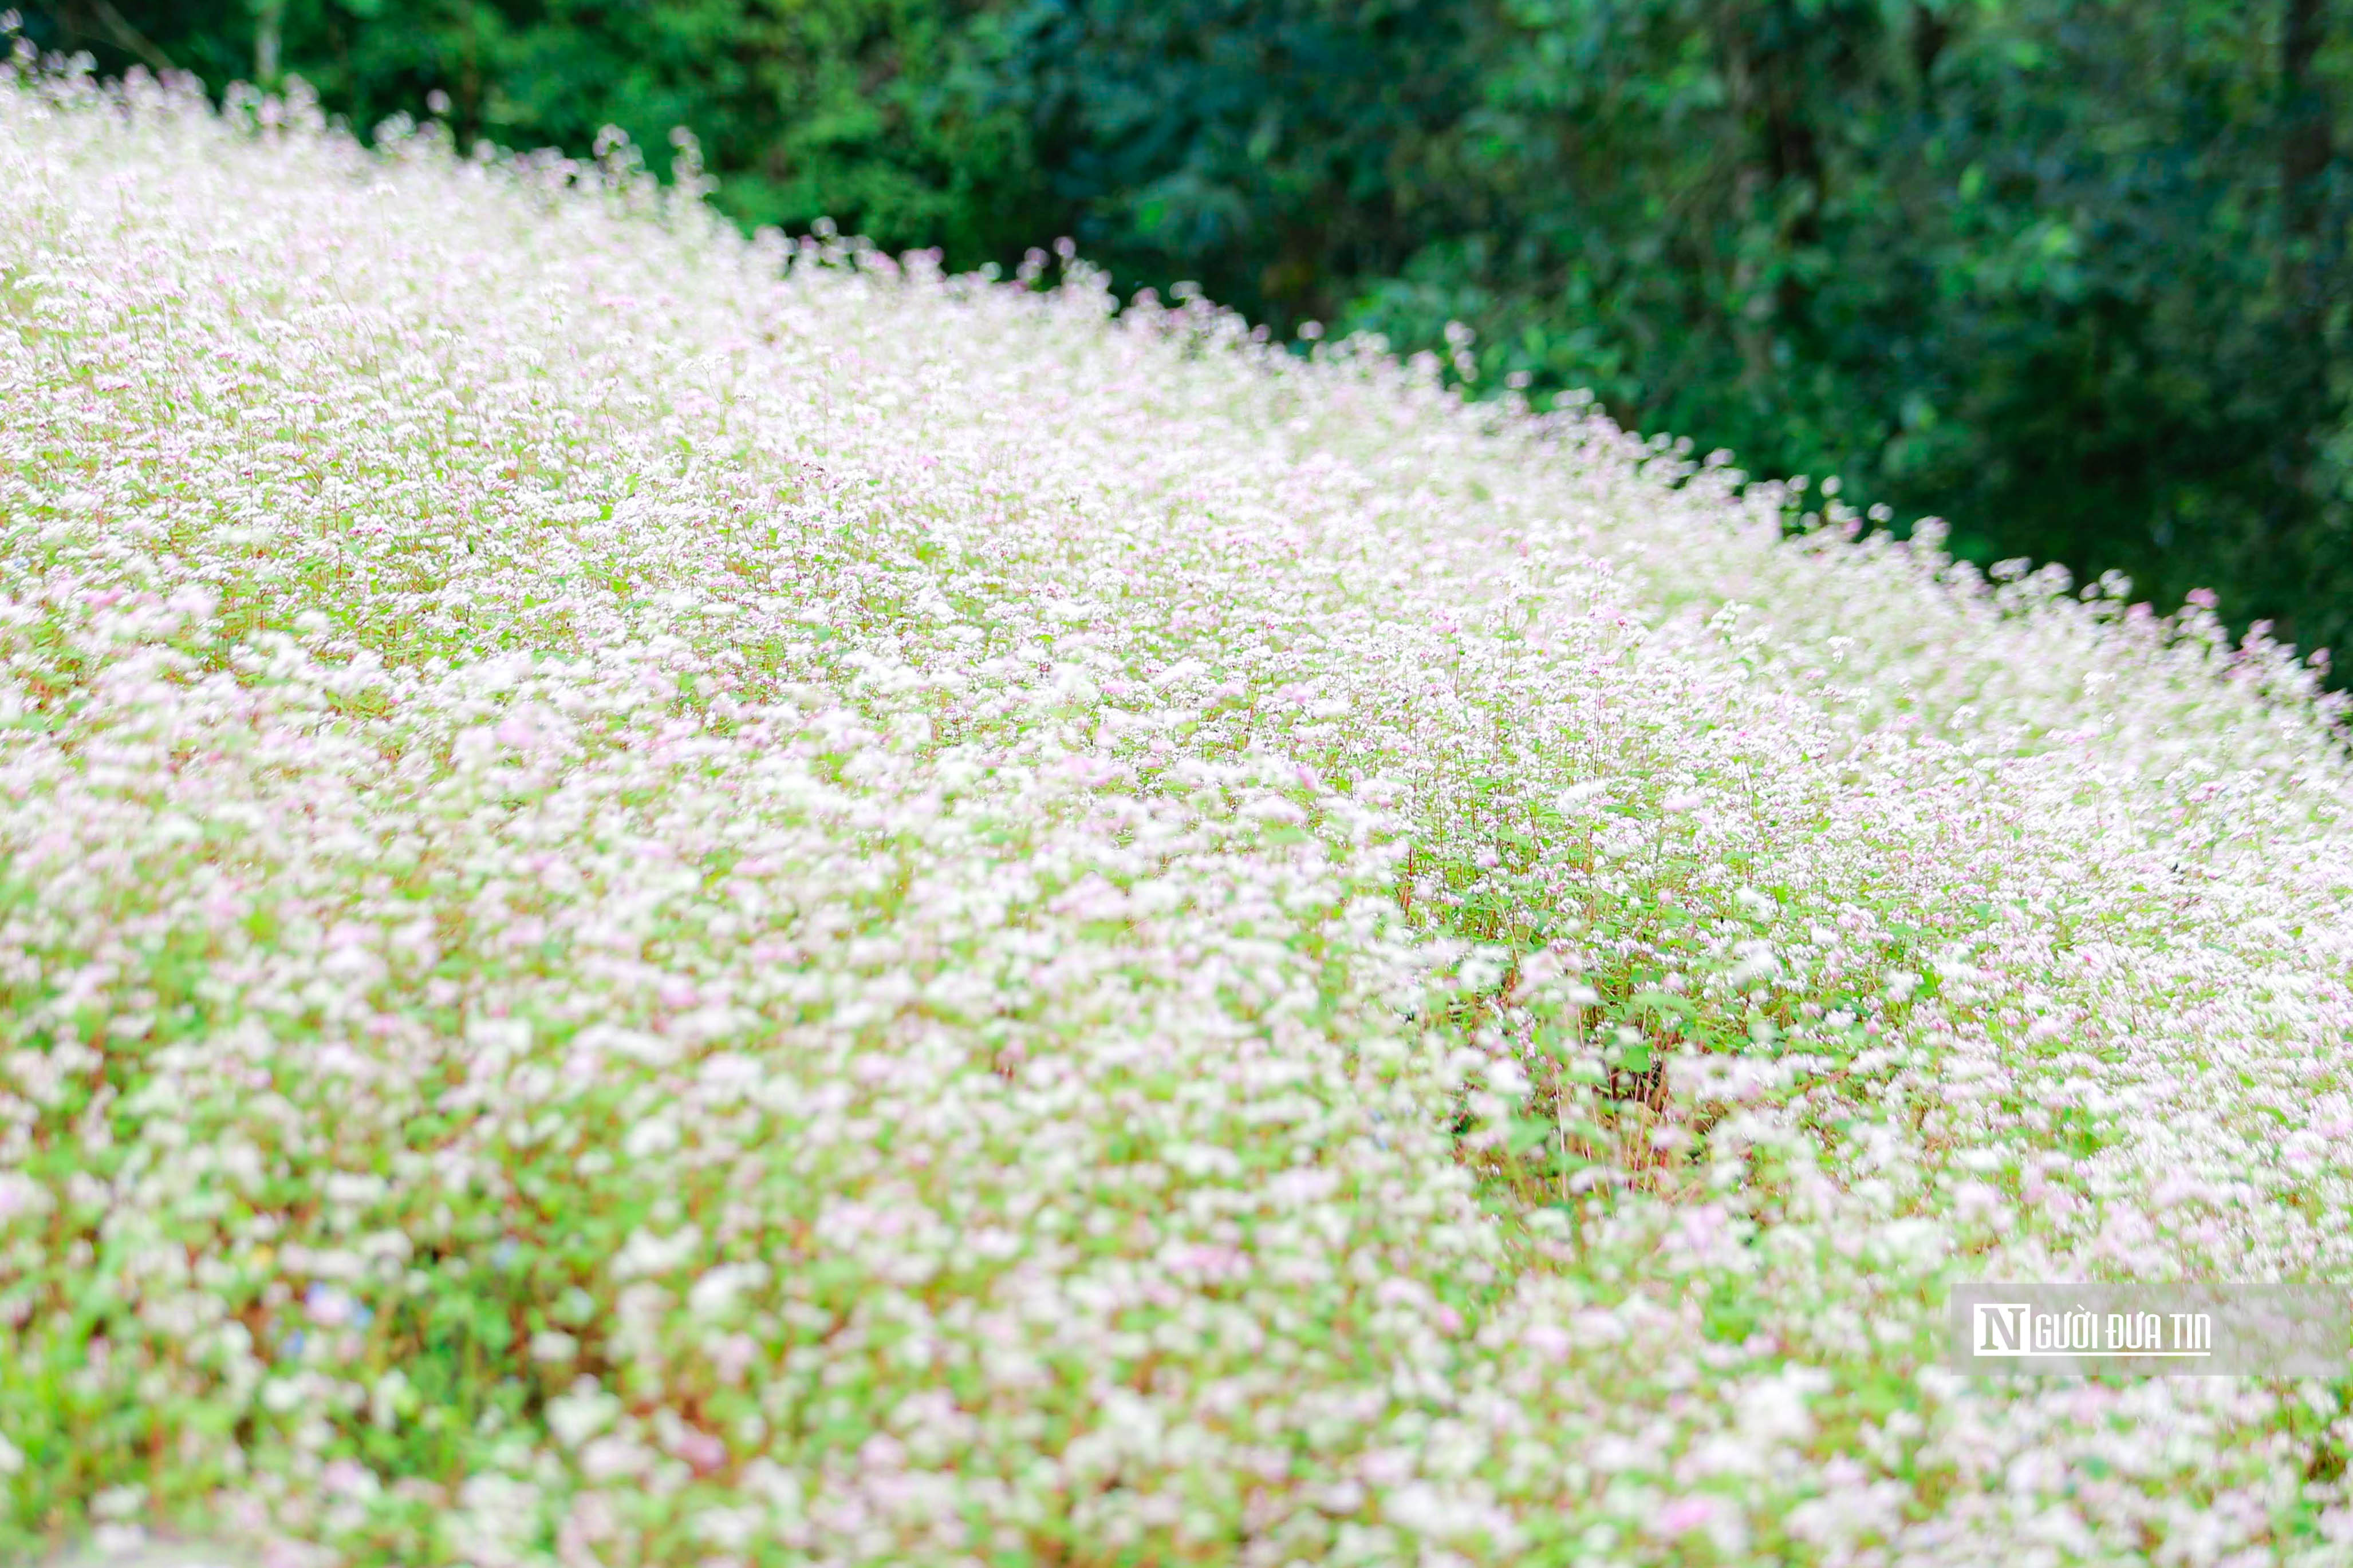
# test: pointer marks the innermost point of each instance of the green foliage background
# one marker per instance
(2070, 273)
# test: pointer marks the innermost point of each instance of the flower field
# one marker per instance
(672, 899)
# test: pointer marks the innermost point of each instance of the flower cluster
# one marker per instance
(672, 898)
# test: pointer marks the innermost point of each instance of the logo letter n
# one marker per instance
(2001, 1328)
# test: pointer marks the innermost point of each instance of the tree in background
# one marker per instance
(2070, 272)
(2035, 267)
(804, 108)
(1279, 154)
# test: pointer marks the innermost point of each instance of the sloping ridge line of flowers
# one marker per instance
(672, 899)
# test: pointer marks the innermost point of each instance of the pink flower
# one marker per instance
(1685, 1514)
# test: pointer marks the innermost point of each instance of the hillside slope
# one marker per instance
(674, 899)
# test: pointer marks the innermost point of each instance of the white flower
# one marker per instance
(580, 1414)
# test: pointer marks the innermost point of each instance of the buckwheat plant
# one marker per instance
(674, 899)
